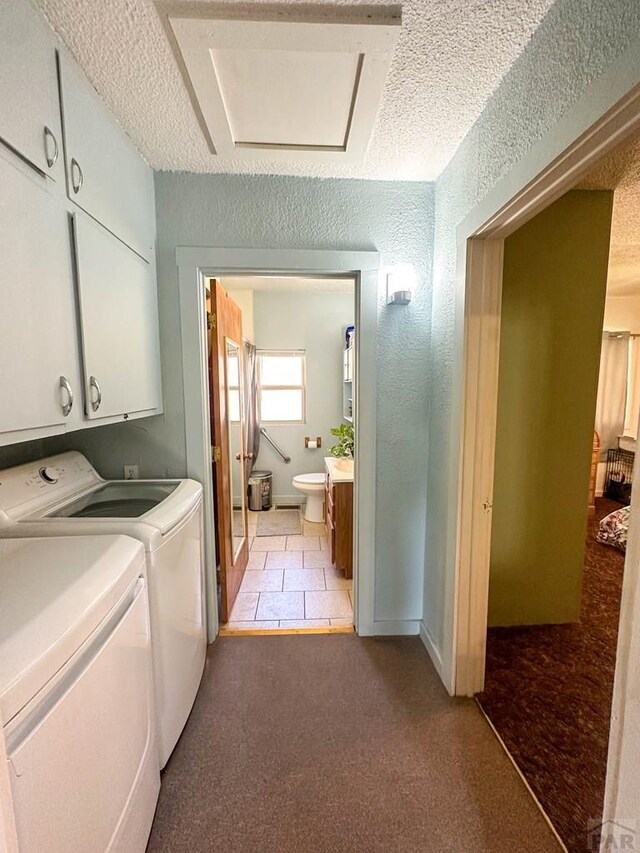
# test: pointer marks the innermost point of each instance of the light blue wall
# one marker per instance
(555, 77)
(395, 219)
(313, 322)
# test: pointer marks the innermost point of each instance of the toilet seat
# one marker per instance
(310, 480)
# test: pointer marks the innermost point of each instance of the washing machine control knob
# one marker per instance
(49, 475)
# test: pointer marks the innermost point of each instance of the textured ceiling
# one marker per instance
(621, 172)
(451, 55)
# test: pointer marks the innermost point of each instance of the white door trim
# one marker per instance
(195, 265)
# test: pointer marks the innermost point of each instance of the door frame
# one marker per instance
(480, 249)
(195, 265)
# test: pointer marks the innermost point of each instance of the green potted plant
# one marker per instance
(343, 451)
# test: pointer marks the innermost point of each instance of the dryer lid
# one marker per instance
(53, 594)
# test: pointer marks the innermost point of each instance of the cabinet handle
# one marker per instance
(77, 177)
(65, 385)
(49, 137)
(93, 385)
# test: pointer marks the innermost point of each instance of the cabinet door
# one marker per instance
(119, 319)
(30, 114)
(37, 315)
(106, 176)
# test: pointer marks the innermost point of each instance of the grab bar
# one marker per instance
(263, 432)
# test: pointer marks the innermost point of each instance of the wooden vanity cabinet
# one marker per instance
(338, 509)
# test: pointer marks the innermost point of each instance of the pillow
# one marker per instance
(614, 527)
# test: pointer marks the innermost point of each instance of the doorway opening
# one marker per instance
(282, 353)
(196, 265)
(562, 331)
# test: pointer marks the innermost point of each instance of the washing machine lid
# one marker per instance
(53, 594)
(64, 495)
(128, 499)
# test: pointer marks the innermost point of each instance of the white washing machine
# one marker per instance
(65, 496)
(76, 695)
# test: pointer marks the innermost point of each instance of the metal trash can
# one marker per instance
(260, 490)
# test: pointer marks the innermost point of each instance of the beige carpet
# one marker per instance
(341, 744)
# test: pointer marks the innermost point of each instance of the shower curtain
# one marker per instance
(252, 428)
(612, 389)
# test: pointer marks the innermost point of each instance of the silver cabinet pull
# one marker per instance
(65, 385)
(76, 175)
(94, 386)
(49, 138)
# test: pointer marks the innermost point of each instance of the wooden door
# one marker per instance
(226, 378)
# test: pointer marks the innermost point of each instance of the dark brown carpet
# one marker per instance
(306, 744)
(548, 693)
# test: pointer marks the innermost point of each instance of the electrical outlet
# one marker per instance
(131, 472)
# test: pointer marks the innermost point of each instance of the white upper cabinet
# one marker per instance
(39, 365)
(119, 320)
(30, 109)
(57, 316)
(106, 176)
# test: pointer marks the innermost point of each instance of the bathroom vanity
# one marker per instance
(338, 511)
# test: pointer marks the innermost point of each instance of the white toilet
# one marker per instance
(311, 485)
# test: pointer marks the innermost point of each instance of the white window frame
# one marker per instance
(298, 353)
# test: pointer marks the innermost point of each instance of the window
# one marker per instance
(281, 386)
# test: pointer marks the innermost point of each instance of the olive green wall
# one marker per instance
(554, 286)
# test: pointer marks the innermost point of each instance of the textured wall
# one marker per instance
(554, 78)
(394, 218)
(312, 322)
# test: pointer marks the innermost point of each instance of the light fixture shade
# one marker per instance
(399, 297)
(399, 285)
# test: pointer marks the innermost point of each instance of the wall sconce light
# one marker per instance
(399, 285)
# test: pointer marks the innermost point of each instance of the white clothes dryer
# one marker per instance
(65, 496)
(76, 695)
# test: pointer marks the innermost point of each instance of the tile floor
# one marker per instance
(291, 583)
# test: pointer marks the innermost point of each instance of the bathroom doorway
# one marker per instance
(284, 416)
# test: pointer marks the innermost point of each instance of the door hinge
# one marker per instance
(216, 453)
(211, 320)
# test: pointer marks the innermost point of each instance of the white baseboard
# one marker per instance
(430, 646)
(287, 500)
(396, 628)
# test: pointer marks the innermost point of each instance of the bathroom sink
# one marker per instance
(345, 465)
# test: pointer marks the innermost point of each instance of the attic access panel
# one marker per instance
(284, 90)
